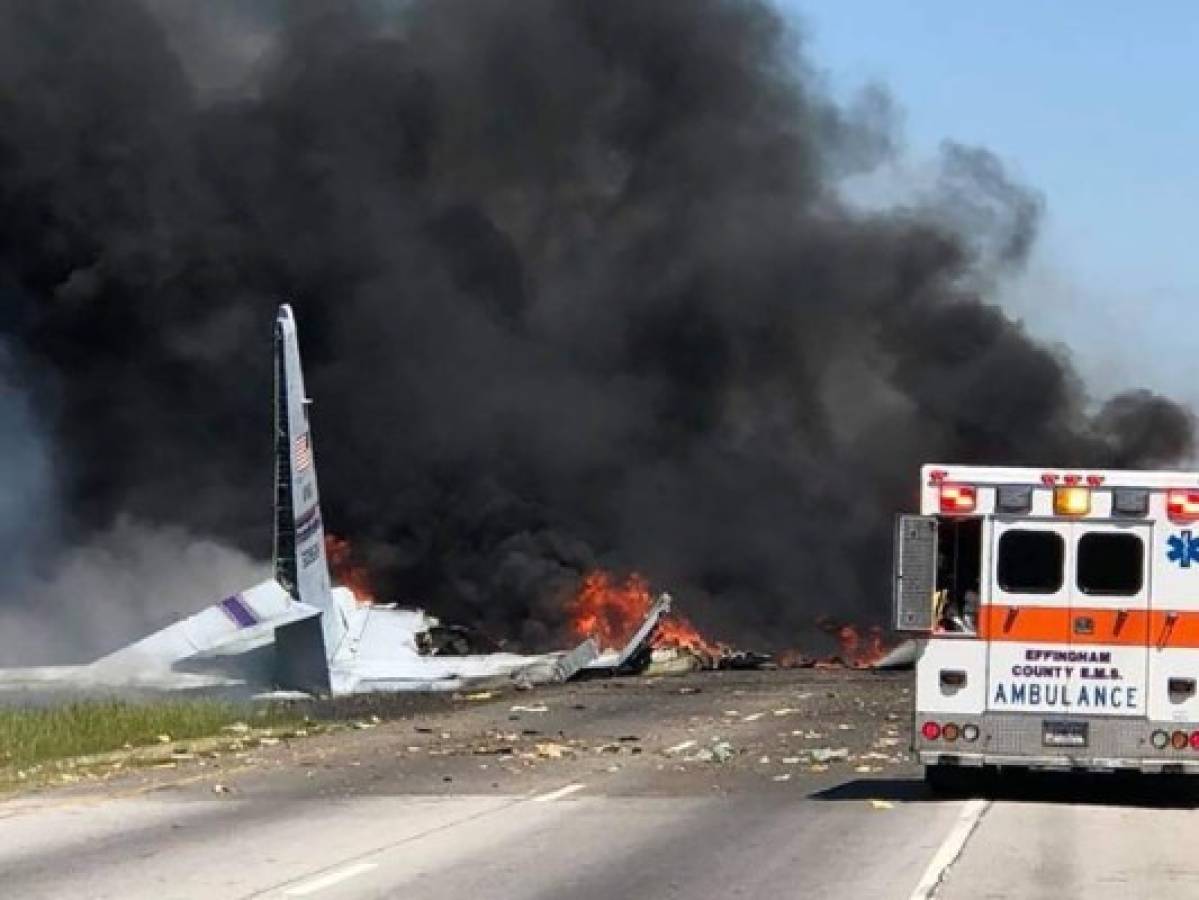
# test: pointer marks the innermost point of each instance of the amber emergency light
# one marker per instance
(1071, 501)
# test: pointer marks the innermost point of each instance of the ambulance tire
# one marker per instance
(950, 781)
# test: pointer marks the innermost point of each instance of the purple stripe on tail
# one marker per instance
(239, 611)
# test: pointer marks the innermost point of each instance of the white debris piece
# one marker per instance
(828, 754)
(902, 657)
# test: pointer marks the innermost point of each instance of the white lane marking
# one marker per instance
(559, 794)
(352, 871)
(337, 877)
(950, 849)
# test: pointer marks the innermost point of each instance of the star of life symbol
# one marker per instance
(1183, 548)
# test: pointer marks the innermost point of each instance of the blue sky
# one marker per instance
(1095, 105)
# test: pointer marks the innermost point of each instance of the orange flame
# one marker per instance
(612, 612)
(345, 571)
(860, 648)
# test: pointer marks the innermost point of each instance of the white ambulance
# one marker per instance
(1061, 612)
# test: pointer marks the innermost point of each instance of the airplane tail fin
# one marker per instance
(301, 565)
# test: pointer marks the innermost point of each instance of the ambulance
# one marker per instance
(1059, 613)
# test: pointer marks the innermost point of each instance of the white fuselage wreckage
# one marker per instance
(296, 631)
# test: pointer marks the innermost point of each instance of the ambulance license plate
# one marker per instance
(1064, 734)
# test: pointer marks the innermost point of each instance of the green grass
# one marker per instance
(29, 736)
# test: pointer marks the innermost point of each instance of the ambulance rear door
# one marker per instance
(1027, 617)
(1109, 617)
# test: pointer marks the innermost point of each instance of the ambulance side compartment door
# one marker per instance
(1173, 639)
(915, 573)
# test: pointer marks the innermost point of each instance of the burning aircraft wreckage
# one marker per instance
(297, 632)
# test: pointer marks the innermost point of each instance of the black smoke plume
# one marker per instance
(575, 283)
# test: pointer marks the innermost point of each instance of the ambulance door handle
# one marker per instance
(953, 678)
(1171, 618)
(1121, 619)
(1180, 687)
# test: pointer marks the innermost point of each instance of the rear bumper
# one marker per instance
(1150, 766)
(1016, 740)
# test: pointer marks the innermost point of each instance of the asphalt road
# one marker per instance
(597, 791)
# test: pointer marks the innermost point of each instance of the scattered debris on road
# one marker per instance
(671, 733)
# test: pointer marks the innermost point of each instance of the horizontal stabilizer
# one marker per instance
(236, 624)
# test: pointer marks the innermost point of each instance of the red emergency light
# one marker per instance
(1183, 505)
(958, 498)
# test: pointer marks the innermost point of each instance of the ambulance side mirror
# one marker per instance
(915, 580)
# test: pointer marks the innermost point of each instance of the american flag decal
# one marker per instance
(302, 452)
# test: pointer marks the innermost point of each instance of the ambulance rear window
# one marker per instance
(1110, 563)
(1030, 562)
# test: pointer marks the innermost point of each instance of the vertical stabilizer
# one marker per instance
(300, 563)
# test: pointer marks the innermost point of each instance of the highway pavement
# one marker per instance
(776, 784)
